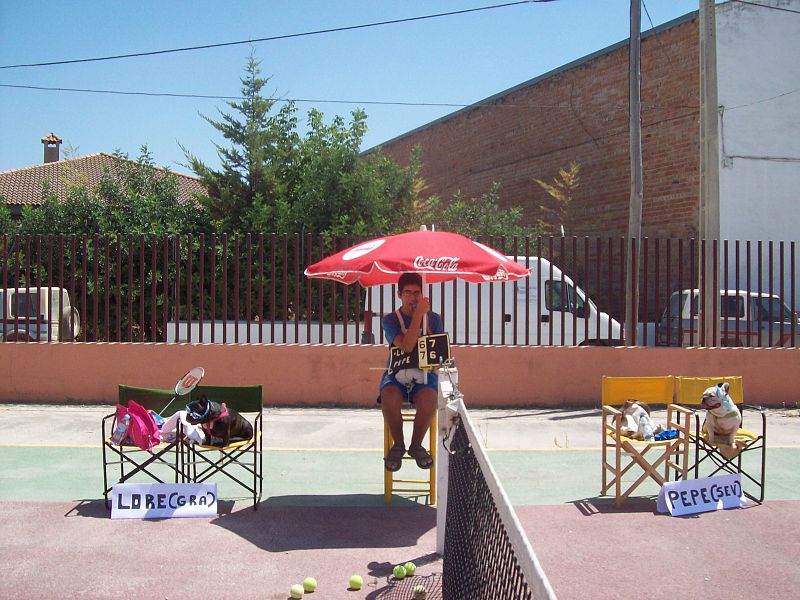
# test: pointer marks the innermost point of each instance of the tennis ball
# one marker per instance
(309, 584)
(419, 593)
(356, 582)
(399, 571)
(410, 568)
(296, 591)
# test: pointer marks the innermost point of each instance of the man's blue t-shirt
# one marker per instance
(391, 326)
(391, 329)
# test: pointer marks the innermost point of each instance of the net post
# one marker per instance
(447, 379)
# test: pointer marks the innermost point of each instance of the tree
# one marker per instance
(273, 179)
(339, 192)
(483, 217)
(472, 217)
(561, 192)
(412, 209)
(256, 166)
(137, 204)
(6, 224)
(136, 198)
(79, 212)
(142, 199)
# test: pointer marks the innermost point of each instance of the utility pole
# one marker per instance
(709, 176)
(635, 206)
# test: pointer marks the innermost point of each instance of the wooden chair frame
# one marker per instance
(203, 462)
(674, 454)
(392, 482)
(689, 392)
(132, 460)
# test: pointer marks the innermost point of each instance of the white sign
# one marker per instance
(163, 500)
(701, 495)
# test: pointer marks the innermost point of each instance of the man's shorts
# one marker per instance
(389, 379)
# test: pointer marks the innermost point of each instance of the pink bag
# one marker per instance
(142, 428)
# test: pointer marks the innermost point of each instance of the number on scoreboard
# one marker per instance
(433, 350)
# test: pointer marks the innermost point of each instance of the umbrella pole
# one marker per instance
(425, 316)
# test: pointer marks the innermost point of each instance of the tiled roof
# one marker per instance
(24, 186)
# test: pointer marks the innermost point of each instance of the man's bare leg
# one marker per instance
(425, 403)
(391, 403)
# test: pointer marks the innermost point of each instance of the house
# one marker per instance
(23, 187)
(578, 113)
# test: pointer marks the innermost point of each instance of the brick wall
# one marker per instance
(580, 114)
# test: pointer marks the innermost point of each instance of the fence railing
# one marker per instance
(251, 289)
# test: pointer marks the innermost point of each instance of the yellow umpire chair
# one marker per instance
(395, 482)
(747, 443)
(670, 456)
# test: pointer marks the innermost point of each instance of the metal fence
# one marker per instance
(217, 288)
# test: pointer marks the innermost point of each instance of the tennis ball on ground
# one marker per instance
(309, 584)
(419, 593)
(410, 568)
(399, 571)
(296, 591)
(355, 582)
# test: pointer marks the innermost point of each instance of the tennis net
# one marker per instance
(486, 553)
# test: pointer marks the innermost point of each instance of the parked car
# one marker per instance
(746, 319)
(545, 308)
(38, 314)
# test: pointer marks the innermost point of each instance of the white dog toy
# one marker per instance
(637, 422)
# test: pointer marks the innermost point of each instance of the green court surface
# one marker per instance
(320, 477)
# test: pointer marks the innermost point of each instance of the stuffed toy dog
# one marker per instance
(635, 417)
(221, 425)
(722, 416)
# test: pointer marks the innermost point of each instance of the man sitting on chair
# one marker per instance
(402, 329)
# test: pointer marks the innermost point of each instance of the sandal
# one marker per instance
(420, 456)
(394, 459)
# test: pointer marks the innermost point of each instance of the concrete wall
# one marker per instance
(327, 376)
(758, 79)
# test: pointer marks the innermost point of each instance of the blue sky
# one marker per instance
(458, 59)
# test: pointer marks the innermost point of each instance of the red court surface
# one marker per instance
(588, 550)
(593, 550)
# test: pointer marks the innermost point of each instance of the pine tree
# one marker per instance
(256, 160)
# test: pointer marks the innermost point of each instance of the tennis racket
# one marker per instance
(186, 384)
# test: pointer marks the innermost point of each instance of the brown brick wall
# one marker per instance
(581, 115)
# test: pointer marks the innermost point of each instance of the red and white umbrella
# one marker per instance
(436, 255)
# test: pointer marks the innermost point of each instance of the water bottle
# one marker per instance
(120, 430)
(646, 428)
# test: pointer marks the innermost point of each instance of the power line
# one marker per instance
(218, 97)
(118, 92)
(480, 104)
(273, 38)
(781, 8)
(763, 100)
(658, 37)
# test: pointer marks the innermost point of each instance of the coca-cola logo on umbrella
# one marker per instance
(362, 249)
(441, 263)
(500, 275)
(492, 251)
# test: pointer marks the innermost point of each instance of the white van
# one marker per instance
(38, 314)
(746, 319)
(545, 308)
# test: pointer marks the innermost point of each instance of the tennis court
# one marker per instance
(323, 516)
